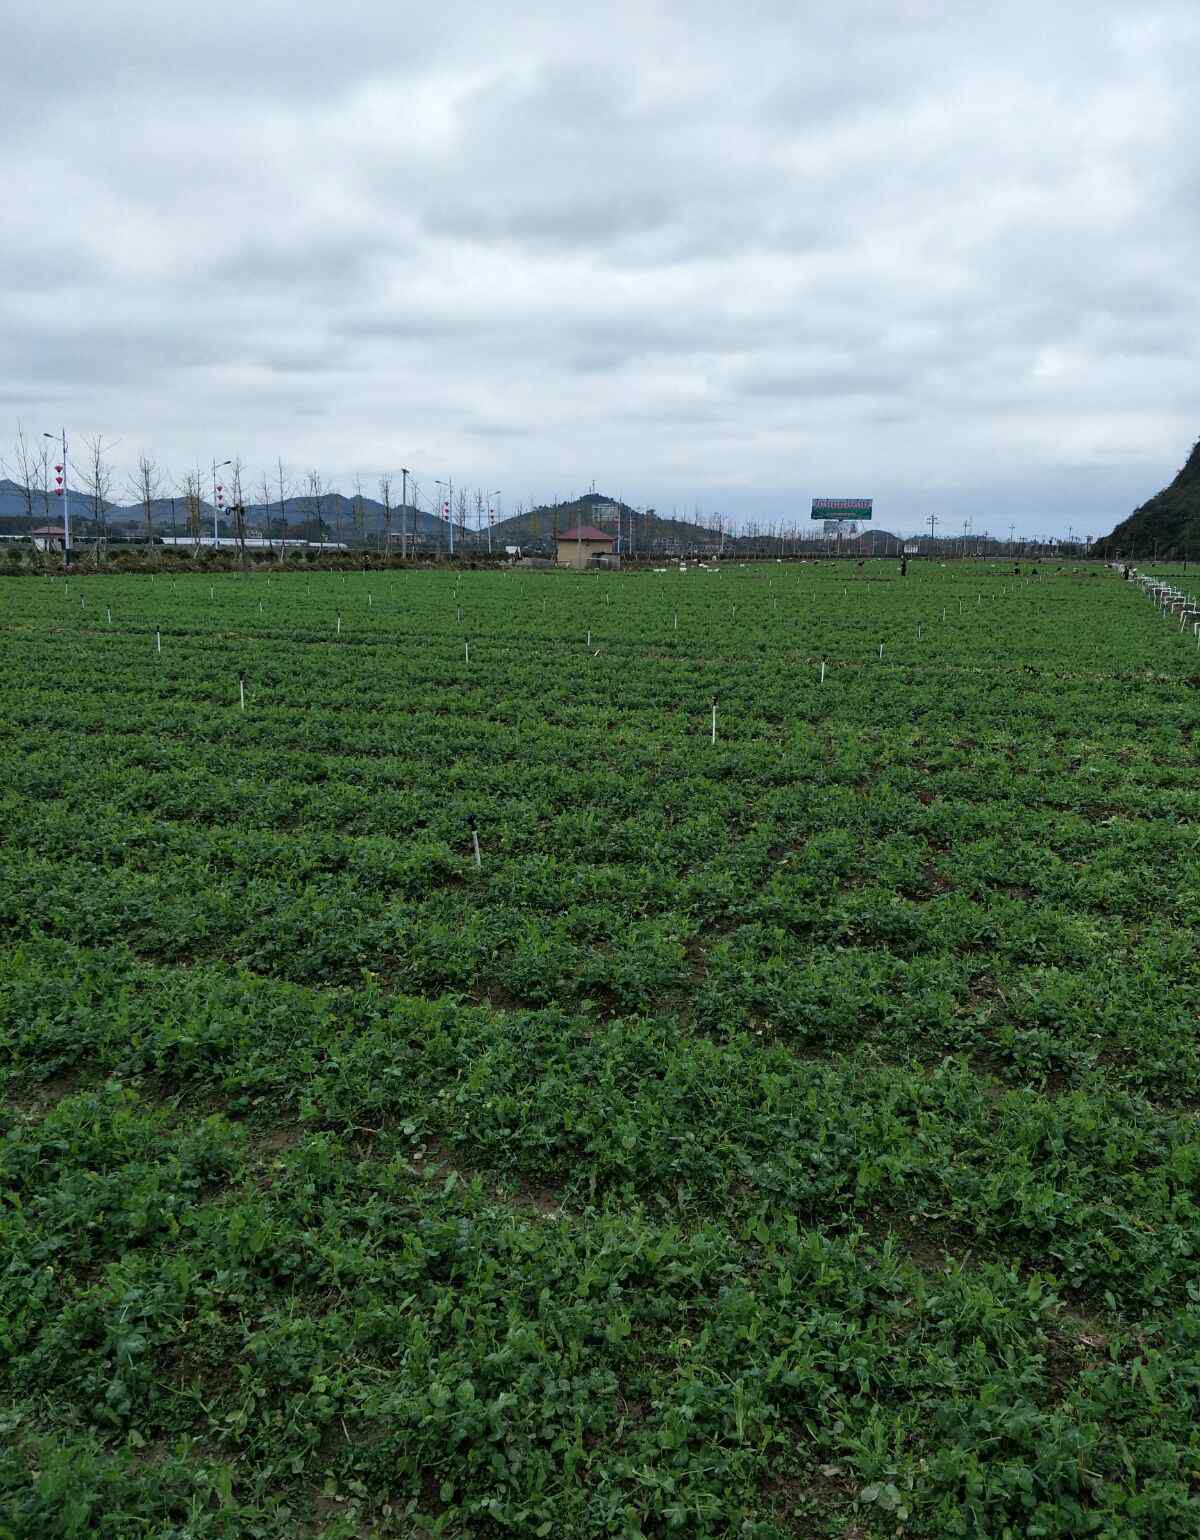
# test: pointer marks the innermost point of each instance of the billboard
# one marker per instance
(842, 507)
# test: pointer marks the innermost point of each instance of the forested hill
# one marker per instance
(1170, 520)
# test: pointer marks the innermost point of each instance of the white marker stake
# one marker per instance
(918, 633)
(339, 628)
(158, 641)
(881, 651)
(467, 651)
(589, 638)
(822, 672)
(242, 690)
(943, 612)
(370, 602)
(109, 613)
(677, 620)
(212, 593)
(714, 722)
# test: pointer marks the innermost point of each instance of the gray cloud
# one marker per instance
(734, 255)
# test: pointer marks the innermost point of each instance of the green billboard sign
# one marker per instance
(842, 507)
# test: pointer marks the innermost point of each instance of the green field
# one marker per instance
(792, 1135)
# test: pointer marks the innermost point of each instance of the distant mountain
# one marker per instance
(338, 519)
(15, 504)
(877, 542)
(640, 531)
(1170, 521)
(343, 519)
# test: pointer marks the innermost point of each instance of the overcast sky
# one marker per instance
(733, 256)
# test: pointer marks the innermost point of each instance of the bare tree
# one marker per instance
(360, 511)
(385, 497)
(262, 493)
(316, 494)
(285, 487)
(43, 456)
(191, 489)
(22, 467)
(145, 487)
(479, 506)
(237, 473)
(414, 503)
(460, 510)
(97, 479)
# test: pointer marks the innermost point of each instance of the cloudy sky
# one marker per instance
(702, 254)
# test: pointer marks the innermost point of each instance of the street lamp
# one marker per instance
(217, 489)
(60, 476)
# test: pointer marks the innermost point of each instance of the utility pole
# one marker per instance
(403, 507)
(60, 490)
(933, 521)
(491, 519)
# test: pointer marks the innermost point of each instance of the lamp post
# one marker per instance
(60, 476)
(216, 489)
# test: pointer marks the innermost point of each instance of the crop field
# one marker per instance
(789, 1133)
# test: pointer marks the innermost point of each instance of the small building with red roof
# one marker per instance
(580, 547)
